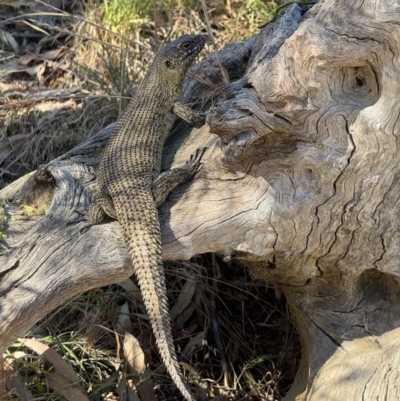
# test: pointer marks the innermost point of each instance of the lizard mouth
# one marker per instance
(194, 51)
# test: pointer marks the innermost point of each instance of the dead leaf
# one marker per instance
(121, 389)
(124, 322)
(64, 387)
(11, 67)
(135, 362)
(65, 380)
(195, 344)
(60, 365)
(145, 389)
(132, 396)
(90, 335)
(183, 317)
(52, 54)
(17, 383)
(27, 58)
(133, 354)
(36, 71)
(18, 4)
(129, 286)
(22, 355)
(184, 299)
(6, 371)
(7, 38)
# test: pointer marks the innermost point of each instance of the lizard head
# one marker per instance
(175, 58)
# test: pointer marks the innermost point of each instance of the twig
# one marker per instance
(215, 324)
(224, 72)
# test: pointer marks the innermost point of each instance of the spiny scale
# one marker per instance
(130, 186)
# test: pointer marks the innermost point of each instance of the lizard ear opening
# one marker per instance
(168, 64)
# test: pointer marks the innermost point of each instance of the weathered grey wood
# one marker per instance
(323, 116)
(300, 181)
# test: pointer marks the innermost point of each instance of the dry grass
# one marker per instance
(63, 77)
(234, 337)
(70, 68)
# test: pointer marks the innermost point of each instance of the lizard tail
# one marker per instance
(145, 251)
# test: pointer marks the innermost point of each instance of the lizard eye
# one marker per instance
(168, 64)
(186, 45)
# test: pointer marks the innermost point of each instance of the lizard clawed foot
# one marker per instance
(79, 220)
(85, 228)
(199, 119)
(169, 179)
(193, 165)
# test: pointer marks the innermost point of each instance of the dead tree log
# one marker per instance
(300, 182)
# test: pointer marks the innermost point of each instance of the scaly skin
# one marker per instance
(130, 187)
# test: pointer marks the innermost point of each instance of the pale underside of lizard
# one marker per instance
(130, 186)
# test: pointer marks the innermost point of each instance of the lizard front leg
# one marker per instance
(169, 179)
(194, 117)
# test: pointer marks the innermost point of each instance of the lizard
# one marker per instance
(129, 186)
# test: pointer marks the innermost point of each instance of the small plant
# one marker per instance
(126, 12)
(29, 210)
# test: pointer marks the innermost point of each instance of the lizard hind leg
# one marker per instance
(169, 179)
(102, 205)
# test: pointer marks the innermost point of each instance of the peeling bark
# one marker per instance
(300, 182)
